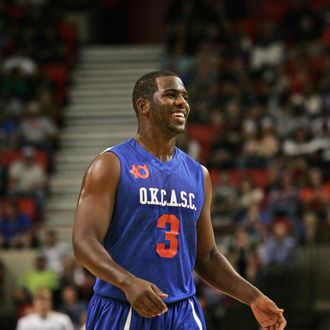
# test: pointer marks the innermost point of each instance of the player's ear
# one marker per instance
(143, 105)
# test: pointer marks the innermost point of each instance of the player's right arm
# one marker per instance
(93, 215)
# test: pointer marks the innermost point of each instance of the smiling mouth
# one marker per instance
(179, 115)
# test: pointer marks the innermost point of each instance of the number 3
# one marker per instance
(170, 235)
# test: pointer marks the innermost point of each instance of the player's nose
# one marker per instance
(181, 101)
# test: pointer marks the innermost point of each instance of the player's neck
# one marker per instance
(160, 147)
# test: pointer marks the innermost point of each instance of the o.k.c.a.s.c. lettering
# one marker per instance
(156, 196)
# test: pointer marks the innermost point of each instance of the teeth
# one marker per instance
(179, 114)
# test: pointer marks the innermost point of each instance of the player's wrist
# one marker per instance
(126, 281)
(253, 295)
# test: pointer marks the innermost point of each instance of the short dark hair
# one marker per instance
(146, 86)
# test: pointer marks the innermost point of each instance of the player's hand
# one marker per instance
(145, 297)
(269, 316)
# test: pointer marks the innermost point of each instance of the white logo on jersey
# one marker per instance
(155, 196)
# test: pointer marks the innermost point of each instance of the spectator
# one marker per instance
(38, 277)
(278, 263)
(278, 252)
(268, 49)
(78, 277)
(49, 107)
(248, 194)
(301, 23)
(19, 60)
(284, 197)
(259, 150)
(28, 178)
(311, 227)
(8, 132)
(54, 251)
(190, 146)
(243, 254)
(316, 193)
(73, 307)
(17, 85)
(43, 316)
(16, 228)
(38, 129)
(225, 201)
(299, 144)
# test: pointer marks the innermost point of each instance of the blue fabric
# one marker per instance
(111, 314)
(153, 232)
(10, 228)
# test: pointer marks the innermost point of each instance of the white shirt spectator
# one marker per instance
(53, 321)
(26, 177)
(25, 64)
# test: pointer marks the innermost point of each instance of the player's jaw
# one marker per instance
(177, 119)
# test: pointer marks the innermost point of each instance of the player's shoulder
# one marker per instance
(188, 159)
(121, 147)
(194, 164)
(104, 167)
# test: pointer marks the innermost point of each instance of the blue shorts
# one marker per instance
(111, 314)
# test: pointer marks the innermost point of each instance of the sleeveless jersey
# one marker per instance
(153, 232)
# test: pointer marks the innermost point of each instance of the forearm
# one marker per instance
(92, 255)
(218, 272)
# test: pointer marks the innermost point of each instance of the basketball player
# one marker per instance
(143, 225)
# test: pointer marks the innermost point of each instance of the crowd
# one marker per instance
(54, 290)
(258, 77)
(38, 50)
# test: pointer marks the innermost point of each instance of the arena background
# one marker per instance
(258, 76)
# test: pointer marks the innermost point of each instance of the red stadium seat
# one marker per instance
(273, 9)
(317, 5)
(68, 34)
(9, 156)
(260, 177)
(215, 176)
(58, 74)
(27, 206)
(249, 26)
(326, 36)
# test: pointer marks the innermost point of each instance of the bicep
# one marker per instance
(205, 235)
(97, 197)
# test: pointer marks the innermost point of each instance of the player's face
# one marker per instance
(170, 108)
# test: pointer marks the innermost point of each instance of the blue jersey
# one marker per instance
(153, 231)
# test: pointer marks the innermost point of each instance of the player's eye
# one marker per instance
(171, 95)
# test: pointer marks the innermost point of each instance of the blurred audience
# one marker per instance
(259, 74)
(42, 316)
(72, 306)
(27, 178)
(16, 228)
(54, 252)
(39, 276)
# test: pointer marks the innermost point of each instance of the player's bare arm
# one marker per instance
(215, 269)
(92, 220)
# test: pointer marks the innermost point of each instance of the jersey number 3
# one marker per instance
(170, 235)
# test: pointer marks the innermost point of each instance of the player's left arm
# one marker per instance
(215, 269)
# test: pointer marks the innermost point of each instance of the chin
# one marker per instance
(178, 130)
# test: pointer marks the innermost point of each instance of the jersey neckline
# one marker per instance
(166, 166)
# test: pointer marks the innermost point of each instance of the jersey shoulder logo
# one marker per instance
(140, 171)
